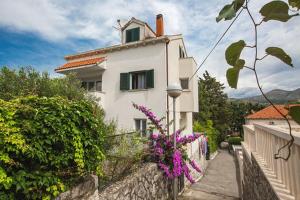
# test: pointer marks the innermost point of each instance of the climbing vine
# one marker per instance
(276, 11)
(46, 144)
(174, 162)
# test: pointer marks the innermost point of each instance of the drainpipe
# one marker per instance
(167, 72)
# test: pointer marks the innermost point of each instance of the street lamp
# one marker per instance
(174, 90)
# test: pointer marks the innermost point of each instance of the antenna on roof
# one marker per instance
(119, 22)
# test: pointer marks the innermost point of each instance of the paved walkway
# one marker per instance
(219, 181)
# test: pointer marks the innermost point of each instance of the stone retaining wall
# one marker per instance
(145, 184)
(87, 190)
(255, 185)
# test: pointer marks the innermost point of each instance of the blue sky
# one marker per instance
(39, 33)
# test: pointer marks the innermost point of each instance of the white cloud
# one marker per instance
(62, 21)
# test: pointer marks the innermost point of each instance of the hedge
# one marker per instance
(46, 144)
(234, 140)
(211, 133)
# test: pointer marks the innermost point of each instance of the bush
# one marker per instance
(126, 153)
(211, 133)
(234, 140)
(46, 143)
(27, 81)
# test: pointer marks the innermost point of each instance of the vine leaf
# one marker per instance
(276, 10)
(232, 76)
(233, 52)
(295, 4)
(240, 63)
(229, 11)
(294, 112)
(280, 54)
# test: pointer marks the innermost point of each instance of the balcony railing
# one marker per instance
(262, 142)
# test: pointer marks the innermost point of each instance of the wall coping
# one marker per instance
(250, 128)
(279, 132)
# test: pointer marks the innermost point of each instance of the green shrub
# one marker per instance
(46, 144)
(27, 81)
(234, 140)
(126, 153)
(211, 133)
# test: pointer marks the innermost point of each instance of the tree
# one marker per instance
(27, 81)
(212, 103)
(238, 112)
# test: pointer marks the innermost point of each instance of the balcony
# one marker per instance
(189, 96)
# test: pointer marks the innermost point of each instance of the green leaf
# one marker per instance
(295, 4)
(233, 52)
(294, 112)
(232, 76)
(229, 11)
(276, 10)
(280, 54)
(238, 4)
(240, 63)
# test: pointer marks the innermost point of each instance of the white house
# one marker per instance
(270, 116)
(138, 70)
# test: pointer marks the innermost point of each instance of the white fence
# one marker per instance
(263, 142)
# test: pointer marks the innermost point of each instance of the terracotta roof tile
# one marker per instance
(75, 64)
(270, 112)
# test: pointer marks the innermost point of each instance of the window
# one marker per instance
(184, 83)
(138, 80)
(98, 85)
(91, 86)
(84, 85)
(181, 52)
(133, 35)
(141, 125)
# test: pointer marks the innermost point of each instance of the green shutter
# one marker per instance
(133, 35)
(136, 34)
(150, 78)
(128, 35)
(124, 81)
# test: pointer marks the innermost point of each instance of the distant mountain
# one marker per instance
(276, 96)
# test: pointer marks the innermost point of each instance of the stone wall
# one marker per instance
(87, 190)
(255, 185)
(145, 184)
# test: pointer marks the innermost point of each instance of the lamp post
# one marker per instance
(174, 90)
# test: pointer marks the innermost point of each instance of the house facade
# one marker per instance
(138, 70)
(270, 116)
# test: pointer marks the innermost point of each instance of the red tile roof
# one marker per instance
(75, 64)
(270, 112)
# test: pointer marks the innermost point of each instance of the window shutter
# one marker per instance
(128, 35)
(124, 81)
(136, 34)
(150, 78)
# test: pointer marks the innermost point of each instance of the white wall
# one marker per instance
(269, 121)
(118, 104)
(184, 103)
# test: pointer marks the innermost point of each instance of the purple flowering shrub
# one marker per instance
(174, 162)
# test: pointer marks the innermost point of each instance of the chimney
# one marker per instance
(159, 25)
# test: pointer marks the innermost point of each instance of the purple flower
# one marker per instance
(186, 172)
(154, 136)
(166, 170)
(195, 166)
(158, 151)
(171, 161)
(177, 162)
